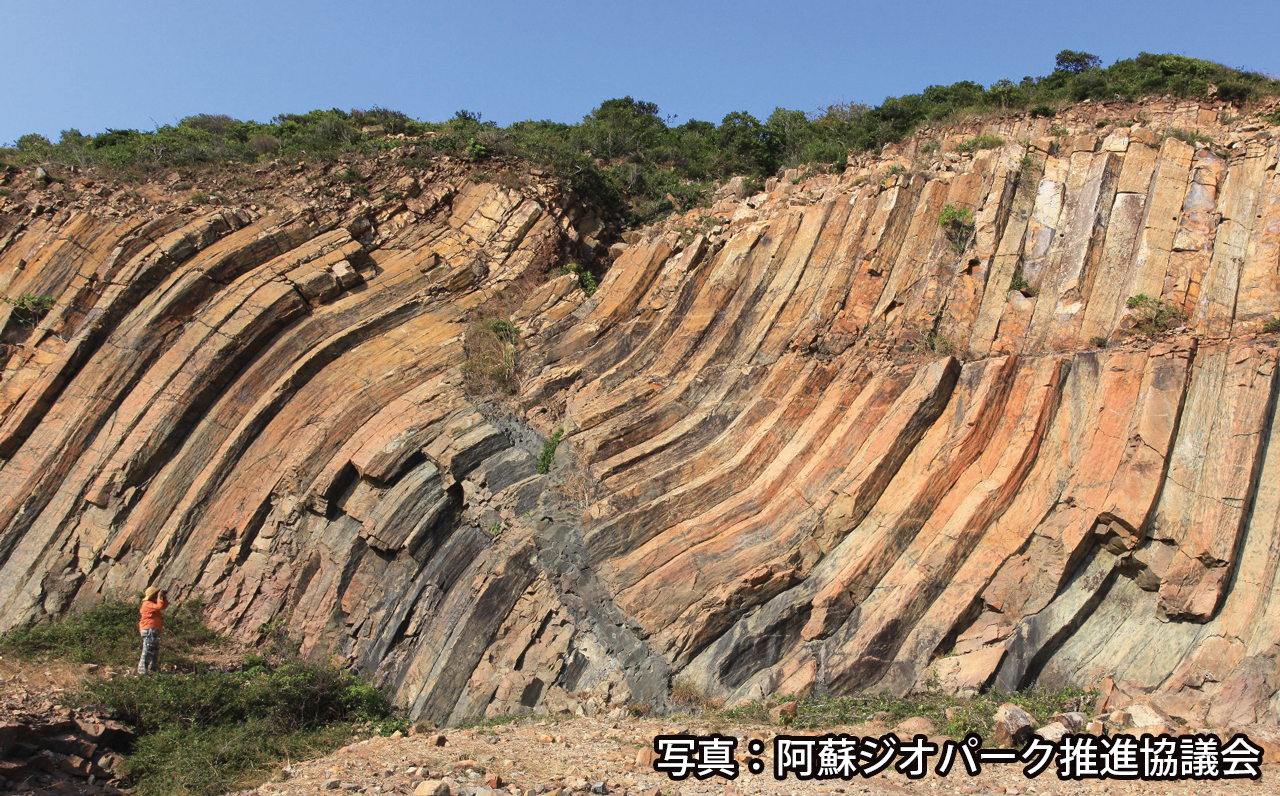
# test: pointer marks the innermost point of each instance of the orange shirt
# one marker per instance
(151, 616)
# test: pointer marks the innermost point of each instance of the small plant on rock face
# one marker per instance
(29, 309)
(1098, 341)
(1152, 316)
(980, 142)
(1272, 326)
(1185, 136)
(586, 280)
(548, 455)
(957, 223)
(1043, 111)
(1019, 283)
(935, 343)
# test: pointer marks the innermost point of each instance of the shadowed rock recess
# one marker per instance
(812, 442)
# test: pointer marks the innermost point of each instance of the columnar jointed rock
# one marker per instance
(812, 446)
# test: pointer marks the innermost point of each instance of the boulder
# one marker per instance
(1053, 731)
(432, 787)
(1011, 726)
(785, 713)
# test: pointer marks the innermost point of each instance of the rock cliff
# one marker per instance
(813, 440)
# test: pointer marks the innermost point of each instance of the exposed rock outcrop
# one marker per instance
(812, 441)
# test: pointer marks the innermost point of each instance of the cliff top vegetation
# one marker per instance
(625, 154)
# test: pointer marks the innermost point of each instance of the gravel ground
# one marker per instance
(541, 756)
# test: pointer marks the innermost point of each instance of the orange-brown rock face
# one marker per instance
(811, 441)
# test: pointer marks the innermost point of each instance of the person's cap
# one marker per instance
(150, 593)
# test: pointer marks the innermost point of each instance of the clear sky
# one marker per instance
(91, 65)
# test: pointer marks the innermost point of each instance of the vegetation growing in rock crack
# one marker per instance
(957, 224)
(490, 349)
(586, 280)
(980, 142)
(29, 309)
(1152, 316)
(548, 455)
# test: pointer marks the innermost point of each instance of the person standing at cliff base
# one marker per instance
(154, 601)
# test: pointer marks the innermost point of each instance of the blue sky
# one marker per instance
(134, 64)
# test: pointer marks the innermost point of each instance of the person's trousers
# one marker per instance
(150, 650)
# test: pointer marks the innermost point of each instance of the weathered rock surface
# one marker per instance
(808, 444)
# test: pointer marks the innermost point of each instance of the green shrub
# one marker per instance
(1098, 341)
(200, 731)
(1043, 111)
(1019, 283)
(1271, 326)
(291, 696)
(586, 280)
(107, 634)
(1152, 316)
(958, 225)
(548, 455)
(980, 142)
(1235, 92)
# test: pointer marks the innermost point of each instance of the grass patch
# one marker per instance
(205, 761)
(490, 348)
(1020, 283)
(107, 634)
